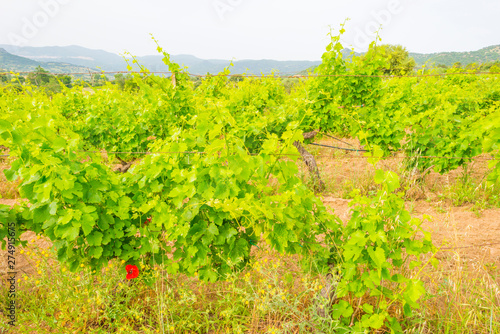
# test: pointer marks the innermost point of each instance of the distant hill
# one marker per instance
(203, 66)
(484, 55)
(107, 61)
(15, 63)
(76, 55)
(79, 59)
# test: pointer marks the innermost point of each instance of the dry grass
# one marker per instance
(463, 296)
(8, 190)
(273, 295)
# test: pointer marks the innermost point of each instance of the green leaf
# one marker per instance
(378, 256)
(341, 309)
(375, 321)
(96, 252)
(413, 292)
(414, 264)
(53, 208)
(105, 221)
(240, 249)
(392, 180)
(95, 238)
(10, 174)
(88, 223)
(213, 229)
(368, 308)
(72, 233)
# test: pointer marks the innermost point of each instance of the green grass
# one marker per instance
(273, 295)
(468, 190)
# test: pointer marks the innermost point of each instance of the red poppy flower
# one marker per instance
(132, 271)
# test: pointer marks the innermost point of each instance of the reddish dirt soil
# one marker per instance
(458, 229)
(23, 265)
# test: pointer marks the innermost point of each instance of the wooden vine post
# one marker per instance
(310, 162)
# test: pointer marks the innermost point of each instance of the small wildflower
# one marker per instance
(132, 271)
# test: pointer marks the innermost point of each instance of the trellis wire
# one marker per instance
(291, 76)
(290, 154)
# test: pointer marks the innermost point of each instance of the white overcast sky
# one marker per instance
(249, 29)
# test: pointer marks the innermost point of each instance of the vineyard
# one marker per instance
(170, 182)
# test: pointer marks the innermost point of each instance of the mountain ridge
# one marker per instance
(80, 59)
(11, 62)
(487, 54)
(107, 61)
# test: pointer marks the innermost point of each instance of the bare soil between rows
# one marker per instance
(457, 229)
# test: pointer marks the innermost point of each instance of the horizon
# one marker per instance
(226, 59)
